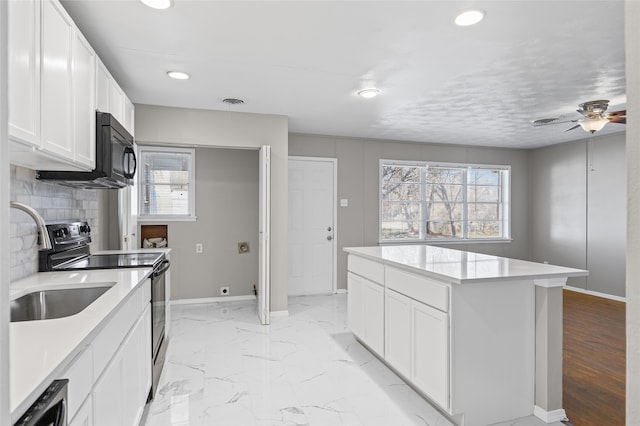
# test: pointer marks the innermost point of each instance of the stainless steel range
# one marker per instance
(70, 251)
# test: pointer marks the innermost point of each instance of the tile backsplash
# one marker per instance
(55, 203)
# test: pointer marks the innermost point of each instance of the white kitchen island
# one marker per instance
(480, 336)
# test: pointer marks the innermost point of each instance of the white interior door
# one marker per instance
(312, 218)
(264, 228)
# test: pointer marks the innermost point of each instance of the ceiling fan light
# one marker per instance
(369, 93)
(158, 4)
(469, 17)
(592, 125)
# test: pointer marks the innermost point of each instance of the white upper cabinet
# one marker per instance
(56, 83)
(84, 64)
(112, 99)
(24, 71)
(57, 79)
(102, 87)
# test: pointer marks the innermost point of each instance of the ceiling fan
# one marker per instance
(594, 117)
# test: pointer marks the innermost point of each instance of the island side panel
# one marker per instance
(493, 347)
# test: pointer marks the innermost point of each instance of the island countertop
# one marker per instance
(461, 267)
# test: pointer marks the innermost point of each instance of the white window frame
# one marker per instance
(191, 216)
(506, 204)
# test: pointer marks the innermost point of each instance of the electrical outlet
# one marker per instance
(224, 291)
(199, 248)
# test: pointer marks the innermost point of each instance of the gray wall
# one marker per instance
(358, 181)
(227, 210)
(195, 127)
(55, 203)
(578, 210)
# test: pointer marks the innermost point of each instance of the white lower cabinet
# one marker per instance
(398, 332)
(110, 378)
(120, 393)
(366, 311)
(417, 345)
(430, 352)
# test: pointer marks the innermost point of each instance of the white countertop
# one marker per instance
(40, 351)
(461, 267)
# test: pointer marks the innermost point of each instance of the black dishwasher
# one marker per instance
(50, 409)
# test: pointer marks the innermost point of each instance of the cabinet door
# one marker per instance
(102, 87)
(137, 369)
(108, 398)
(430, 352)
(374, 316)
(84, 101)
(355, 304)
(129, 116)
(24, 71)
(57, 42)
(397, 341)
(116, 101)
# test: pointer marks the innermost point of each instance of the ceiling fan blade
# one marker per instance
(574, 127)
(617, 113)
(548, 121)
(618, 119)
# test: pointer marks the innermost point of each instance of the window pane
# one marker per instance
(443, 212)
(484, 229)
(394, 191)
(483, 211)
(167, 200)
(443, 192)
(165, 182)
(483, 193)
(401, 211)
(400, 229)
(444, 229)
(483, 177)
(400, 174)
(444, 176)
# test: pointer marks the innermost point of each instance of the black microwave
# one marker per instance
(115, 159)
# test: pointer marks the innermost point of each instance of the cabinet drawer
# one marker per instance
(420, 288)
(80, 375)
(366, 268)
(108, 341)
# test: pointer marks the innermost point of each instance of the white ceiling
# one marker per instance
(479, 85)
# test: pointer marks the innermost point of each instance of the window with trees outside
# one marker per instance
(166, 187)
(423, 201)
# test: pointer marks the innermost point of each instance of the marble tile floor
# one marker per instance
(224, 368)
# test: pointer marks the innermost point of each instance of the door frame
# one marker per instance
(334, 161)
(264, 235)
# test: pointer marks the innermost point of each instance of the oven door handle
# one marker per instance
(162, 270)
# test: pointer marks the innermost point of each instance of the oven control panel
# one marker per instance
(69, 234)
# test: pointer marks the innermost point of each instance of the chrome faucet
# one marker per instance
(43, 236)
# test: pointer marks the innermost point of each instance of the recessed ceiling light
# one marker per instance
(178, 75)
(158, 4)
(470, 17)
(369, 93)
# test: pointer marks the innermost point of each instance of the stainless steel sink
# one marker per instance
(49, 304)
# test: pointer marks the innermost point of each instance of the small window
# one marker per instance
(166, 182)
(444, 202)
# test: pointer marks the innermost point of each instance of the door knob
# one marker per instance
(329, 238)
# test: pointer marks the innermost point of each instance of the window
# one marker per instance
(166, 183)
(444, 202)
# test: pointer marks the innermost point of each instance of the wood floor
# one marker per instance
(594, 368)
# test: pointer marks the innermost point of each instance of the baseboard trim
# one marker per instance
(213, 300)
(341, 291)
(550, 416)
(279, 313)
(597, 294)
